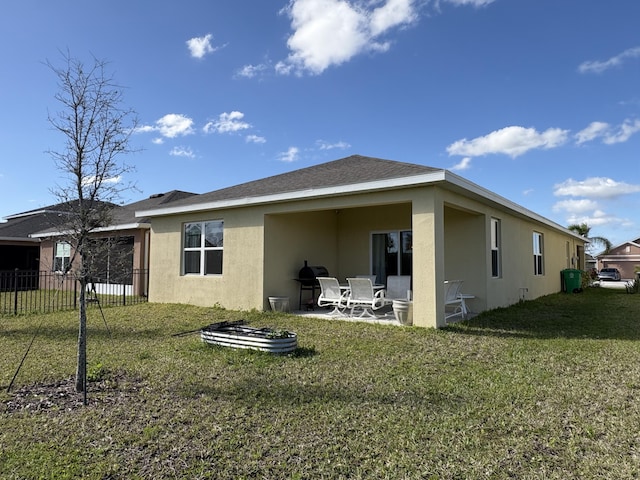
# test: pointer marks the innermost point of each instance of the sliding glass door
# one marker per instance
(391, 254)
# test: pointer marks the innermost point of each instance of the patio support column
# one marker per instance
(428, 258)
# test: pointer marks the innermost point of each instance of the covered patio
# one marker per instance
(380, 240)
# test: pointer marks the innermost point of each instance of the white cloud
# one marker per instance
(392, 14)
(591, 194)
(623, 133)
(226, 123)
(290, 155)
(607, 133)
(579, 211)
(595, 219)
(182, 152)
(594, 187)
(170, 126)
(201, 46)
(322, 145)
(596, 66)
(255, 139)
(250, 71)
(594, 130)
(173, 125)
(331, 32)
(513, 141)
(463, 164)
(575, 206)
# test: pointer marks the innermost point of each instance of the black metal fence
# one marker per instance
(28, 291)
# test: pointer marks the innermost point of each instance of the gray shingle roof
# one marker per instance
(127, 213)
(46, 219)
(345, 171)
(21, 228)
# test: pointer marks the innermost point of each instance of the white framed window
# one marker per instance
(203, 244)
(496, 239)
(61, 256)
(538, 252)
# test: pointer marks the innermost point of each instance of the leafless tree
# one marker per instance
(97, 130)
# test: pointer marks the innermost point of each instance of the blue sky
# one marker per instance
(536, 100)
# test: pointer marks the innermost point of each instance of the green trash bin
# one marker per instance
(571, 280)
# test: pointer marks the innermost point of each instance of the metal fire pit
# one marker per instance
(238, 335)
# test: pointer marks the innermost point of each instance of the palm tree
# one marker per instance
(583, 230)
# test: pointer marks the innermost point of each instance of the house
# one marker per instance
(358, 215)
(32, 240)
(625, 257)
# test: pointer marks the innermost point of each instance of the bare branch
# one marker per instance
(96, 129)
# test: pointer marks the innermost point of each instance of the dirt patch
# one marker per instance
(62, 395)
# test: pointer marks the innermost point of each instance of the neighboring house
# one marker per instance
(625, 257)
(32, 241)
(17, 248)
(358, 215)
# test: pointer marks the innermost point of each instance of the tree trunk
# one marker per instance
(81, 370)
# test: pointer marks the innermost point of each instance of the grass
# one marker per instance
(545, 389)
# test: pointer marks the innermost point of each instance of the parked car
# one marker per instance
(609, 274)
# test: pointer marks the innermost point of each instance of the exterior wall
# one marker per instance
(265, 247)
(356, 226)
(468, 256)
(240, 285)
(140, 256)
(290, 240)
(466, 249)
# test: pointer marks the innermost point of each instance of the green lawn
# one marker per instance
(544, 389)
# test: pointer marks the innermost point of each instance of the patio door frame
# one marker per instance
(405, 248)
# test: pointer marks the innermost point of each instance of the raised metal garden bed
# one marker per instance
(238, 335)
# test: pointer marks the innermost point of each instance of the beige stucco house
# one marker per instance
(358, 215)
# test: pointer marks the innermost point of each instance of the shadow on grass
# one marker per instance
(596, 313)
(71, 332)
(292, 393)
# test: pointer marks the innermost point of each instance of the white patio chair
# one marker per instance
(398, 287)
(332, 296)
(370, 277)
(361, 295)
(453, 305)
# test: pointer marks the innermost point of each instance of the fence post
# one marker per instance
(124, 294)
(75, 293)
(15, 293)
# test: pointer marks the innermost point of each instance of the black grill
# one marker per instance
(308, 279)
(308, 274)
